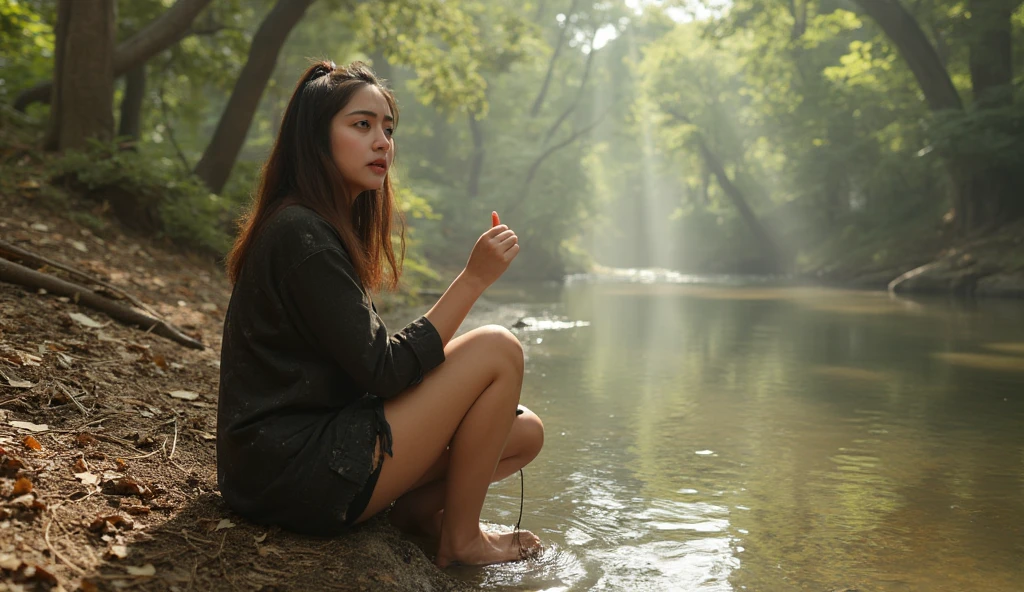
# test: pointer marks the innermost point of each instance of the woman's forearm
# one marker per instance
(453, 306)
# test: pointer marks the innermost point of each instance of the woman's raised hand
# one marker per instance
(493, 252)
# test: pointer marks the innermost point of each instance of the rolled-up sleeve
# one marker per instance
(329, 303)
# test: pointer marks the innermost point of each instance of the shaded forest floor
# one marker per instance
(107, 438)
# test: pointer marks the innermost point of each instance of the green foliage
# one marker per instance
(26, 44)
(186, 211)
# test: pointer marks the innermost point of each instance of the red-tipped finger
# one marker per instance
(494, 219)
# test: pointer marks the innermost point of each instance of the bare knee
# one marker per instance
(533, 433)
(505, 345)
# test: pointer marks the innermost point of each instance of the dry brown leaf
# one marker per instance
(22, 486)
(262, 537)
(121, 465)
(160, 361)
(142, 570)
(127, 486)
(24, 425)
(88, 586)
(224, 523)
(87, 478)
(24, 500)
(37, 573)
(84, 320)
(9, 562)
(81, 466)
(136, 510)
(86, 439)
(32, 443)
(184, 395)
(117, 551)
(111, 522)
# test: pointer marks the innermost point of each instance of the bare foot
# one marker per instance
(488, 548)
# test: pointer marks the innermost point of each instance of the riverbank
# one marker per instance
(923, 261)
(107, 434)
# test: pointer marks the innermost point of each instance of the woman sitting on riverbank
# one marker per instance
(324, 418)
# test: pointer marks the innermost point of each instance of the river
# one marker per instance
(722, 436)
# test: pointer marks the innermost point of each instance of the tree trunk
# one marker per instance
(991, 51)
(83, 106)
(539, 101)
(767, 246)
(131, 104)
(51, 141)
(220, 155)
(901, 28)
(156, 37)
(476, 164)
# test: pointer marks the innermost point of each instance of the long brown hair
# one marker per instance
(300, 170)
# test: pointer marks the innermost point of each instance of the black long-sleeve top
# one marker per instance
(305, 365)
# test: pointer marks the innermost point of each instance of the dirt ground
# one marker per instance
(107, 437)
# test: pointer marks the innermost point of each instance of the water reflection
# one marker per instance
(759, 438)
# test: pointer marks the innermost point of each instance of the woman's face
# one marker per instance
(361, 143)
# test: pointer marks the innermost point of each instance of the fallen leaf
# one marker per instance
(88, 586)
(262, 537)
(86, 439)
(121, 465)
(84, 320)
(184, 395)
(87, 478)
(24, 425)
(115, 521)
(33, 184)
(142, 570)
(32, 443)
(39, 225)
(136, 510)
(117, 551)
(127, 486)
(22, 486)
(78, 245)
(160, 361)
(80, 466)
(224, 523)
(24, 500)
(12, 465)
(35, 572)
(9, 562)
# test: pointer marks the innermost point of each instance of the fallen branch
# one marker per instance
(7, 251)
(18, 274)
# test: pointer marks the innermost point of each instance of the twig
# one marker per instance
(77, 403)
(19, 274)
(140, 456)
(175, 441)
(46, 537)
(7, 248)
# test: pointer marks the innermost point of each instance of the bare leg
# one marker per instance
(420, 510)
(468, 402)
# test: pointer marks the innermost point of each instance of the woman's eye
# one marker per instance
(363, 123)
(390, 131)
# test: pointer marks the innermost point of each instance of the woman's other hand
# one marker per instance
(493, 252)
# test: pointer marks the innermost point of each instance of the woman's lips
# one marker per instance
(378, 168)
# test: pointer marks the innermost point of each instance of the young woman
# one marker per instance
(324, 418)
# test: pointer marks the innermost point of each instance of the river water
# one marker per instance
(720, 437)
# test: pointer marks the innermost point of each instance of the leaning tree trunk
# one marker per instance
(131, 104)
(160, 34)
(769, 250)
(222, 151)
(990, 60)
(82, 103)
(903, 30)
